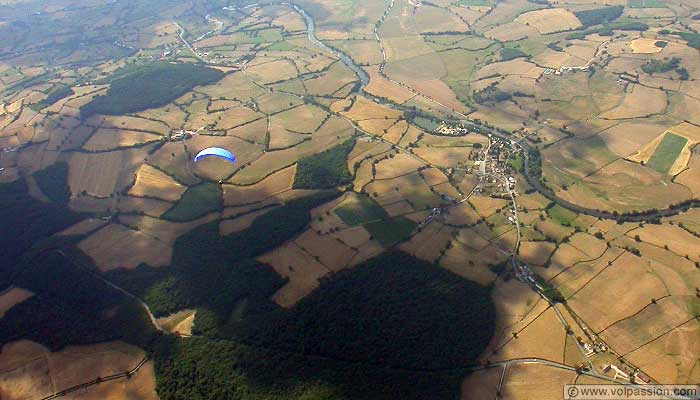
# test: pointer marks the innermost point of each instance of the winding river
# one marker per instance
(533, 181)
(311, 31)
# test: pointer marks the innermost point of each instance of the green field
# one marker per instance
(666, 154)
(391, 231)
(516, 163)
(197, 202)
(646, 3)
(561, 215)
(509, 53)
(428, 124)
(360, 211)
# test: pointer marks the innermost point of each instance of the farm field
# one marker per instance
(31, 370)
(398, 199)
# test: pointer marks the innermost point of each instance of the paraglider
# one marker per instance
(215, 152)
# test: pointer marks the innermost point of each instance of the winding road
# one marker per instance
(524, 148)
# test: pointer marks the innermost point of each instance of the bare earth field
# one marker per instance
(30, 371)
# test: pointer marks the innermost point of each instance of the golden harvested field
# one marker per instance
(438, 91)
(600, 303)
(304, 119)
(645, 46)
(673, 357)
(543, 337)
(433, 176)
(462, 260)
(338, 75)
(550, 20)
(164, 231)
(511, 31)
(215, 168)
(444, 156)
(83, 227)
(641, 101)
(536, 382)
(30, 371)
(365, 149)
(229, 226)
(152, 182)
(518, 67)
(626, 138)
(434, 19)
(683, 243)
(237, 116)
(174, 117)
(11, 297)
(461, 215)
(396, 132)
(281, 138)
(291, 22)
(152, 207)
(570, 280)
(255, 131)
(363, 52)
(116, 246)
(363, 109)
(274, 71)
(110, 139)
(588, 244)
(536, 253)
(690, 178)
(380, 86)
(649, 323)
(409, 187)
(627, 186)
(179, 323)
(401, 164)
(127, 122)
(302, 270)
(101, 174)
(275, 183)
(326, 249)
(566, 256)
(429, 243)
(487, 206)
(334, 131)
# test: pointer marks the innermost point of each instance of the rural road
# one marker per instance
(522, 146)
(108, 283)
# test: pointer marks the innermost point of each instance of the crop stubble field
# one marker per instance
(614, 134)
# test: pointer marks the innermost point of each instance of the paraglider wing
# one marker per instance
(216, 152)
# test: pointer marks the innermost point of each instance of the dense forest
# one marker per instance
(393, 310)
(216, 273)
(394, 327)
(491, 94)
(70, 307)
(203, 368)
(599, 15)
(53, 182)
(325, 170)
(25, 221)
(149, 86)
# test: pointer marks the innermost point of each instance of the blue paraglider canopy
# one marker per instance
(216, 152)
